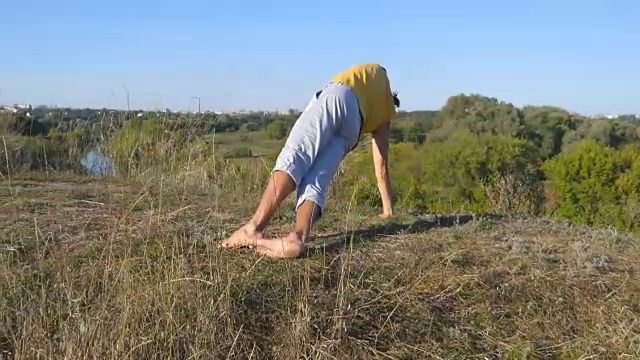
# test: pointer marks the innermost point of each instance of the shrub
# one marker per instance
(142, 145)
(356, 177)
(466, 172)
(592, 183)
(482, 172)
(26, 153)
(277, 130)
(239, 152)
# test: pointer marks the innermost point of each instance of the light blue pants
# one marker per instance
(325, 132)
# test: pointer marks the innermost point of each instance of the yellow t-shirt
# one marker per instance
(371, 85)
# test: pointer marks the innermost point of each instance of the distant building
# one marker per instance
(9, 109)
(14, 109)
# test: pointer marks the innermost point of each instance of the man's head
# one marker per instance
(396, 101)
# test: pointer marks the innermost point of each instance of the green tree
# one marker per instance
(277, 130)
(581, 184)
(546, 126)
(478, 114)
(481, 172)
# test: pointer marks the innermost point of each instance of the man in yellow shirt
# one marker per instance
(358, 100)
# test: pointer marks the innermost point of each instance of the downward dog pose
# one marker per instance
(358, 100)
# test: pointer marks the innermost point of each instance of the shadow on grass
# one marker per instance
(332, 243)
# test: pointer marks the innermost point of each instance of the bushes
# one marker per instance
(356, 178)
(26, 153)
(149, 149)
(595, 184)
(277, 130)
(485, 172)
(466, 172)
(151, 144)
(476, 154)
(29, 144)
(591, 183)
(239, 152)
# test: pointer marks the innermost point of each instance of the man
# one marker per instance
(358, 100)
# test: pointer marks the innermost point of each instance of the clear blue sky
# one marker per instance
(268, 54)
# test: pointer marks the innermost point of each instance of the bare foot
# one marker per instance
(289, 247)
(245, 236)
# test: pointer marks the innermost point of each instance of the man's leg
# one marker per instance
(309, 135)
(312, 189)
(279, 186)
(311, 201)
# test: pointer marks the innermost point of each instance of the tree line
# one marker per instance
(481, 154)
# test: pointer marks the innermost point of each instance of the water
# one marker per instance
(97, 164)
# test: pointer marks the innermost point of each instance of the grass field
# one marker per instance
(111, 269)
(256, 141)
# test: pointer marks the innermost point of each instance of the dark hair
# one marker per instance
(396, 101)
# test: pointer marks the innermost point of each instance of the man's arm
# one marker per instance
(380, 147)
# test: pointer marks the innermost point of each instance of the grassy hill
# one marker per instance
(130, 270)
(127, 266)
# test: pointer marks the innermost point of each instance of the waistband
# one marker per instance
(359, 110)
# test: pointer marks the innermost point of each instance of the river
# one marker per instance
(98, 164)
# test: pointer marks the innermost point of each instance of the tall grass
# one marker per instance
(128, 266)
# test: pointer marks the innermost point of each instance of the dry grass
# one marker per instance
(113, 270)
